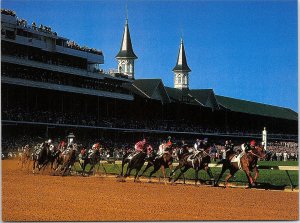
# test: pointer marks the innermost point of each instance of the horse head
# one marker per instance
(259, 152)
(149, 150)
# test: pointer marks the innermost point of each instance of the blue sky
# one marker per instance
(241, 49)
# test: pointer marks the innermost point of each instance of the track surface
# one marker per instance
(40, 197)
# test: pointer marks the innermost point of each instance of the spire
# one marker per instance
(126, 50)
(181, 64)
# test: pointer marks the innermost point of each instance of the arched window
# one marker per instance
(179, 80)
(123, 67)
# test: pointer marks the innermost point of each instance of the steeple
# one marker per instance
(181, 69)
(126, 56)
(181, 64)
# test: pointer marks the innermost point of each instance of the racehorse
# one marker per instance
(248, 163)
(25, 156)
(135, 161)
(163, 162)
(40, 156)
(198, 162)
(67, 160)
(91, 159)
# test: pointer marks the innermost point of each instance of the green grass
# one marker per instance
(273, 177)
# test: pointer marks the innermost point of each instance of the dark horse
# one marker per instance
(135, 161)
(92, 159)
(40, 156)
(248, 163)
(163, 162)
(197, 162)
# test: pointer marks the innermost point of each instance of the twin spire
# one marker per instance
(181, 64)
(126, 58)
(126, 50)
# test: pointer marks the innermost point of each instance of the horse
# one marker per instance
(135, 161)
(40, 157)
(163, 162)
(92, 159)
(197, 161)
(25, 157)
(67, 160)
(248, 163)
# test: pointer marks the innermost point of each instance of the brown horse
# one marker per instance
(248, 163)
(66, 160)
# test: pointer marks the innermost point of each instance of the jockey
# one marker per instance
(95, 147)
(139, 146)
(161, 148)
(252, 146)
(229, 147)
(82, 155)
(61, 145)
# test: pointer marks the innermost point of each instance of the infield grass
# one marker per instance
(271, 178)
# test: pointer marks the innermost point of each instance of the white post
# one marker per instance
(264, 138)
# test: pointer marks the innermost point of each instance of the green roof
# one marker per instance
(206, 97)
(255, 108)
(152, 88)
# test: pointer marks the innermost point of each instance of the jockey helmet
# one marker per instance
(169, 144)
(26, 146)
(252, 143)
(144, 140)
(96, 146)
(205, 139)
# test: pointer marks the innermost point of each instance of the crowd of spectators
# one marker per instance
(92, 120)
(283, 150)
(61, 79)
(47, 29)
(74, 45)
(8, 12)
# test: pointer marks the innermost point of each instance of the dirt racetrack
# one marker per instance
(40, 197)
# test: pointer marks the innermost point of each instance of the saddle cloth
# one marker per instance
(237, 159)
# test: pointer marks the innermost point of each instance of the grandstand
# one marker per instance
(51, 86)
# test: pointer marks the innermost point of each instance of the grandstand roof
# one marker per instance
(126, 50)
(151, 88)
(255, 108)
(155, 89)
(206, 97)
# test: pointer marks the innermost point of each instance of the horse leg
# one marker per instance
(232, 172)
(256, 174)
(33, 166)
(181, 172)
(224, 168)
(250, 180)
(164, 173)
(136, 178)
(147, 167)
(173, 171)
(196, 176)
(208, 170)
(153, 171)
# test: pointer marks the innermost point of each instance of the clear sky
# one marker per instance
(241, 49)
